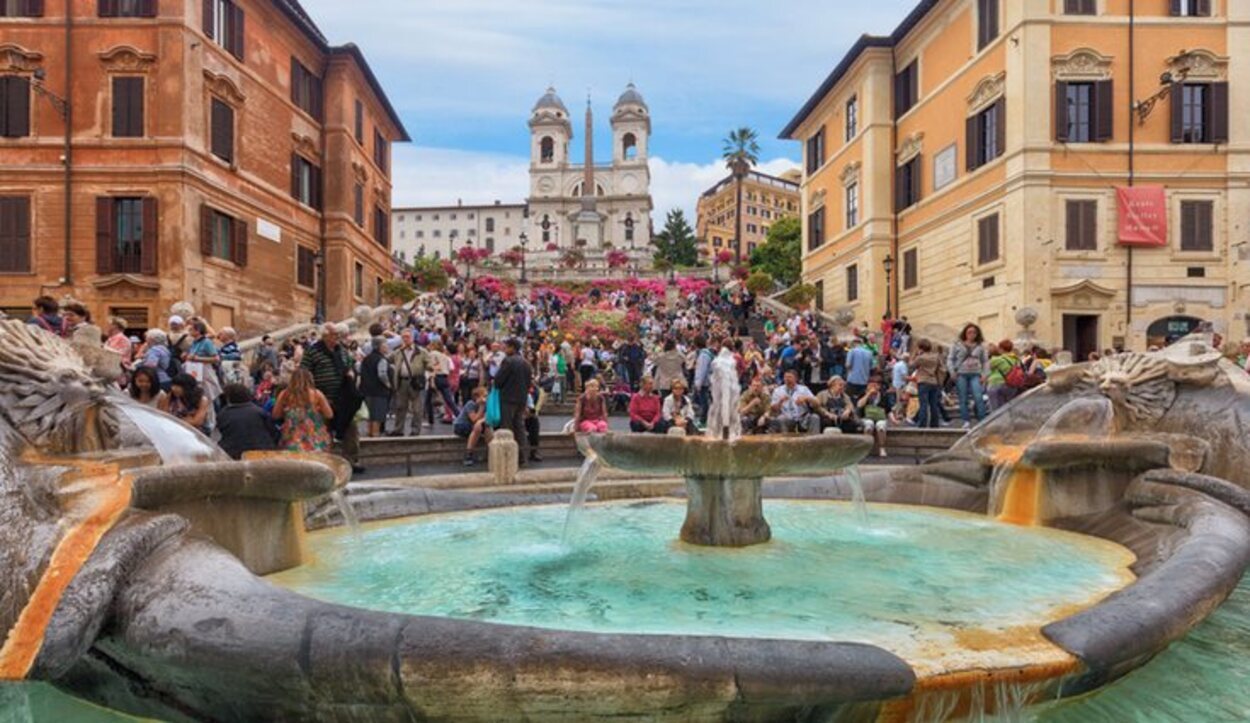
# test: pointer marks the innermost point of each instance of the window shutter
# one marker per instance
(1206, 226)
(1219, 113)
(1104, 110)
(1204, 8)
(239, 245)
(316, 187)
(147, 8)
(18, 111)
(147, 252)
(917, 180)
(1187, 225)
(1073, 238)
(236, 31)
(21, 252)
(34, 9)
(104, 245)
(295, 176)
(973, 144)
(900, 188)
(206, 230)
(108, 8)
(208, 18)
(1176, 7)
(1061, 112)
(1000, 126)
(1178, 113)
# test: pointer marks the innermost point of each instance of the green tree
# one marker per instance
(760, 282)
(781, 255)
(429, 274)
(675, 243)
(800, 296)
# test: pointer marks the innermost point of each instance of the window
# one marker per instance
(306, 267)
(1192, 8)
(1197, 226)
(1080, 7)
(305, 181)
(852, 205)
(987, 135)
(438, 234)
(358, 279)
(360, 122)
(1082, 226)
(223, 131)
(381, 227)
(223, 24)
(987, 240)
(911, 269)
(820, 294)
(852, 283)
(305, 89)
(420, 234)
(127, 107)
(358, 212)
(852, 117)
(127, 8)
(547, 150)
(490, 225)
(1200, 113)
(906, 89)
(816, 151)
(816, 229)
(908, 180)
(629, 147)
(1084, 112)
(222, 236)
(987, 22)
(126, 234)
(14, 234)
(21, 8)
(381, 150)
(14, 106)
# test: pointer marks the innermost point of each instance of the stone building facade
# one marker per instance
(622, 190)
(765, 200)
(443, 230)
(221, 152)
(981, 145)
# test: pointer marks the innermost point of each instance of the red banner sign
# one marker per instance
(1143, 216)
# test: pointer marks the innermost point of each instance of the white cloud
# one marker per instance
(439, 176)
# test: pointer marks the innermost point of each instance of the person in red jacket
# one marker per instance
(645, 409)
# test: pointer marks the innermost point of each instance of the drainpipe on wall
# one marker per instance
(1132, 148)
(891, 289)
(325, 261)
(69, 142)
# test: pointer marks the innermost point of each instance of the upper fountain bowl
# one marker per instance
(747, 457)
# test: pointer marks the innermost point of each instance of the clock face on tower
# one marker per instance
(546, 185)
(629, 184)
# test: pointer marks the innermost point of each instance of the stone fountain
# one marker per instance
(724, 471)
(111, 590)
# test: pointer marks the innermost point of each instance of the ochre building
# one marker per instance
(222, 152)
(980, 147)
(765, 200)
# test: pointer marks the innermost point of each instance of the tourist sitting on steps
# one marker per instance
(677, 410)
(646, 410)
(871, 409)
(753, 407)
(590, 415)
(471, 424)
(836, 409)
(792, 407)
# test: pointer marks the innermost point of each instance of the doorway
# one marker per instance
(1080, 335)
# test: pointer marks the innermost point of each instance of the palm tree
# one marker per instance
(741, 154)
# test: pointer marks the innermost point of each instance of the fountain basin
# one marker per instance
(724, 478)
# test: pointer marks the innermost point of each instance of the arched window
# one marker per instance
(548, 150)
(629, 147)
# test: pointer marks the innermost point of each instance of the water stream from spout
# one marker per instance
(586, 477)
(858, 502)
(174, 441)
(344, 506)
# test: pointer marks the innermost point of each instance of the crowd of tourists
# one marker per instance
(476, 362)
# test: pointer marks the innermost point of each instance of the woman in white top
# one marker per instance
(677, 410)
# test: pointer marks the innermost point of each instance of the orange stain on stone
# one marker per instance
(92, 495)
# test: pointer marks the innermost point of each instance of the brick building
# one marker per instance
(981, 146)
(222, 152)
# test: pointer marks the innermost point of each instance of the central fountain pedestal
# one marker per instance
(725, 512)
(725, 479)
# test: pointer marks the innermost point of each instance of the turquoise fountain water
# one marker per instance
(914, 581)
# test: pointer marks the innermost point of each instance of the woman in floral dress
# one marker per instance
(303, 412)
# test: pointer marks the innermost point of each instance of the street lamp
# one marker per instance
(888, 263)
(525, 239)
(546, 229)
(629, 229)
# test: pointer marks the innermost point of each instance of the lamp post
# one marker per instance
(888, 263)
(469, 259)
(319, 262)
(525, 239)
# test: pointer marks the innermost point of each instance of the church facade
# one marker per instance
(616, 211)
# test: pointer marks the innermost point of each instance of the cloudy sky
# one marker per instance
(464, 75)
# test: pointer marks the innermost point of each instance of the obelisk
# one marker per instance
(589, 224)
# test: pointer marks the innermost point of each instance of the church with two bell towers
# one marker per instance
(604, 206)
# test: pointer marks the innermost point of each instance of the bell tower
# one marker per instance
(631, 128)
(550, 133)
